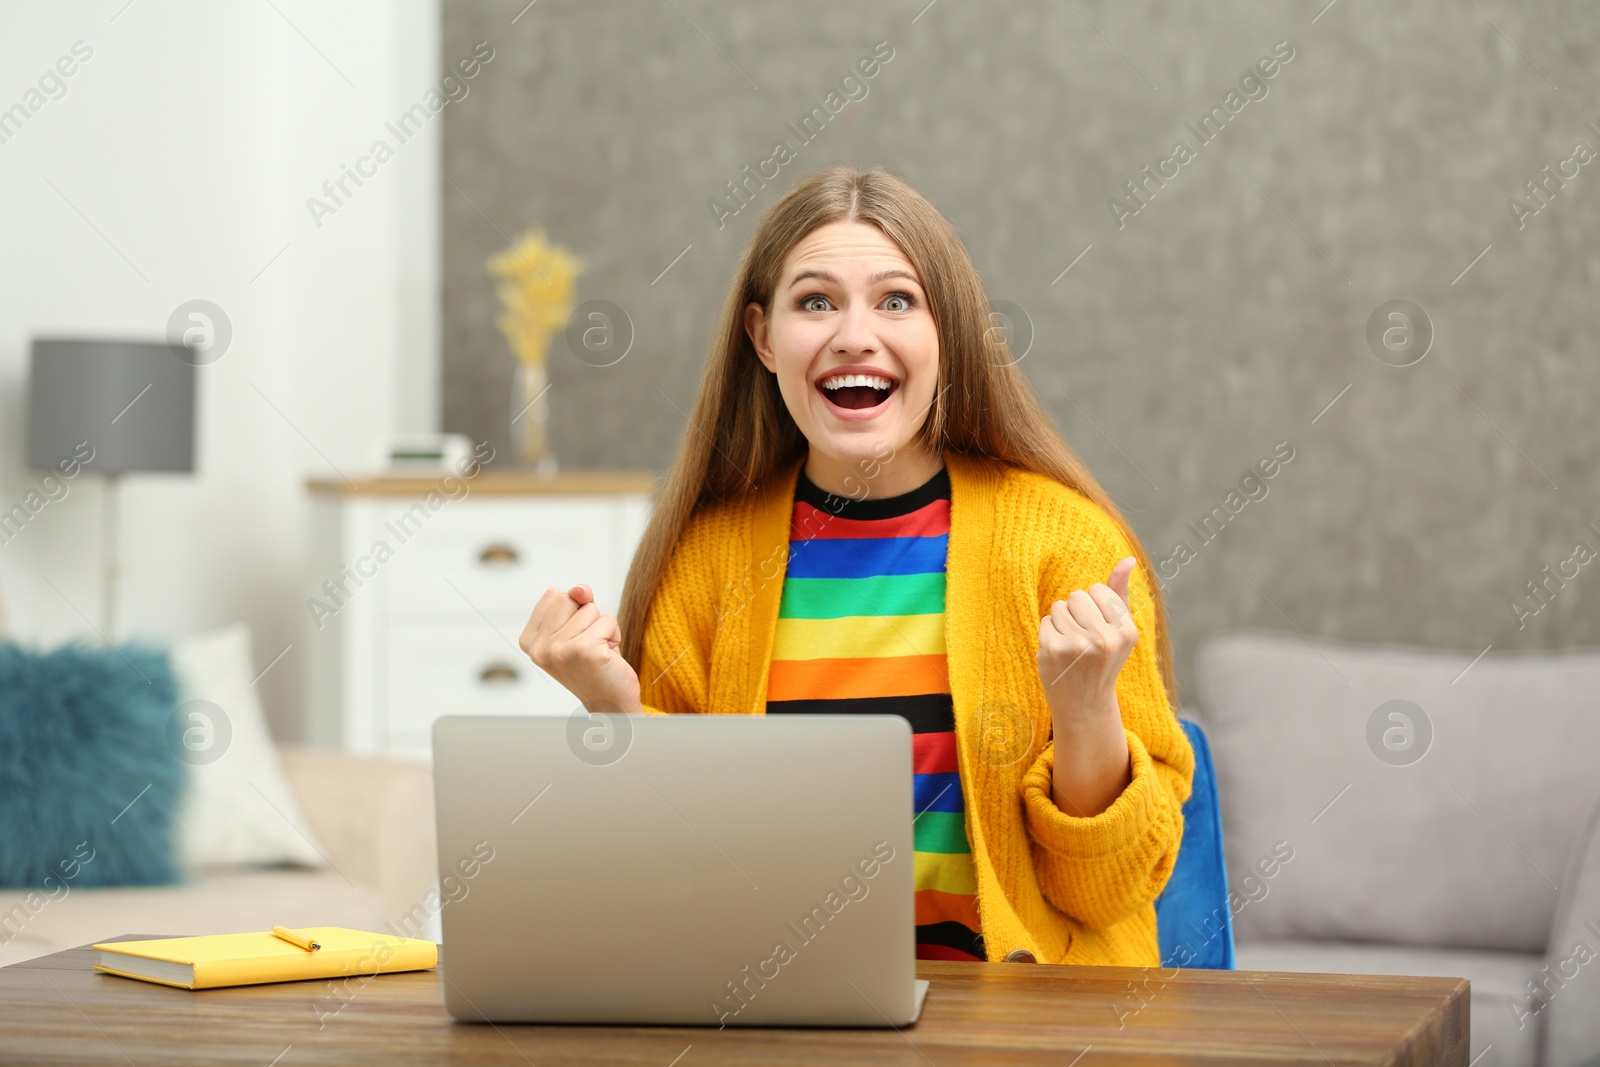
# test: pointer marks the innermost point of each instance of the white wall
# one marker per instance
(191, 140)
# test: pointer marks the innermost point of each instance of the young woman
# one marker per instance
(871, 512)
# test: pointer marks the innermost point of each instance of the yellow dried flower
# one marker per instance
(536, 292)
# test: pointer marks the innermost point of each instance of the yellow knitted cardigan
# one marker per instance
(1068, 889)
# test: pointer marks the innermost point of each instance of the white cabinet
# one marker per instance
(414, 604)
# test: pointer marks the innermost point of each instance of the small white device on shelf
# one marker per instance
(426, 451)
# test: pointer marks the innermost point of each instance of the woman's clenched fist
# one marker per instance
(572, 641)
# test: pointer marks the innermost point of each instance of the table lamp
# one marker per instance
(131, 402)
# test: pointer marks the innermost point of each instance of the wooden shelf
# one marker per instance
(491, 483)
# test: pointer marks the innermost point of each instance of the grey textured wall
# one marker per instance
(1229, 313)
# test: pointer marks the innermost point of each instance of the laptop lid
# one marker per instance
(712, 870)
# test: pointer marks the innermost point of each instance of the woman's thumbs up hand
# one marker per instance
(1083, 643)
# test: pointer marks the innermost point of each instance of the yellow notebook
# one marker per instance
(250, 959)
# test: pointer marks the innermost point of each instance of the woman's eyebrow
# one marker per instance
(829, 276)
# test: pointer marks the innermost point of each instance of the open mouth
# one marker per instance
(857, 392)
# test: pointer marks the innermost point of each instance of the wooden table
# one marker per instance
(57, 1010)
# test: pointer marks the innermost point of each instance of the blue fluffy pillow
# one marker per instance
(89, 785)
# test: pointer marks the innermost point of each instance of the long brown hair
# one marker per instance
(983, 405)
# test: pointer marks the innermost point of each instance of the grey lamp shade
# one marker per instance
(132, 402)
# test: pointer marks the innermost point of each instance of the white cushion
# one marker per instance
(1462, 847)
(238, 808)
(1499, 1008)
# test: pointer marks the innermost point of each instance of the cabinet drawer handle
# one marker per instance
(498, 554)
(497, 673)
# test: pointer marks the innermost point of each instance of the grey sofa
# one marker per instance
(1441, 814)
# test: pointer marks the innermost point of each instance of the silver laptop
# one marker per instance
(718, 870)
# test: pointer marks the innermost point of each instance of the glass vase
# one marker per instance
(530, 417)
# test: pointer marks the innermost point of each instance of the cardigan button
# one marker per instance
(1020, 955)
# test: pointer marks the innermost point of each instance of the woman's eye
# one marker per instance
(904, 300)
(806, 304)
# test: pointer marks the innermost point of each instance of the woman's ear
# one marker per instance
(756, 325)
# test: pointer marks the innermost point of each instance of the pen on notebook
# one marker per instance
(295, 939)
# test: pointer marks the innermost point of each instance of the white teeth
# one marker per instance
(844, 381)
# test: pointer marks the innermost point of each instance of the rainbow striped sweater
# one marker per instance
(861, 629)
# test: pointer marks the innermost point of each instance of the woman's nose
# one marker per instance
(856, 332)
